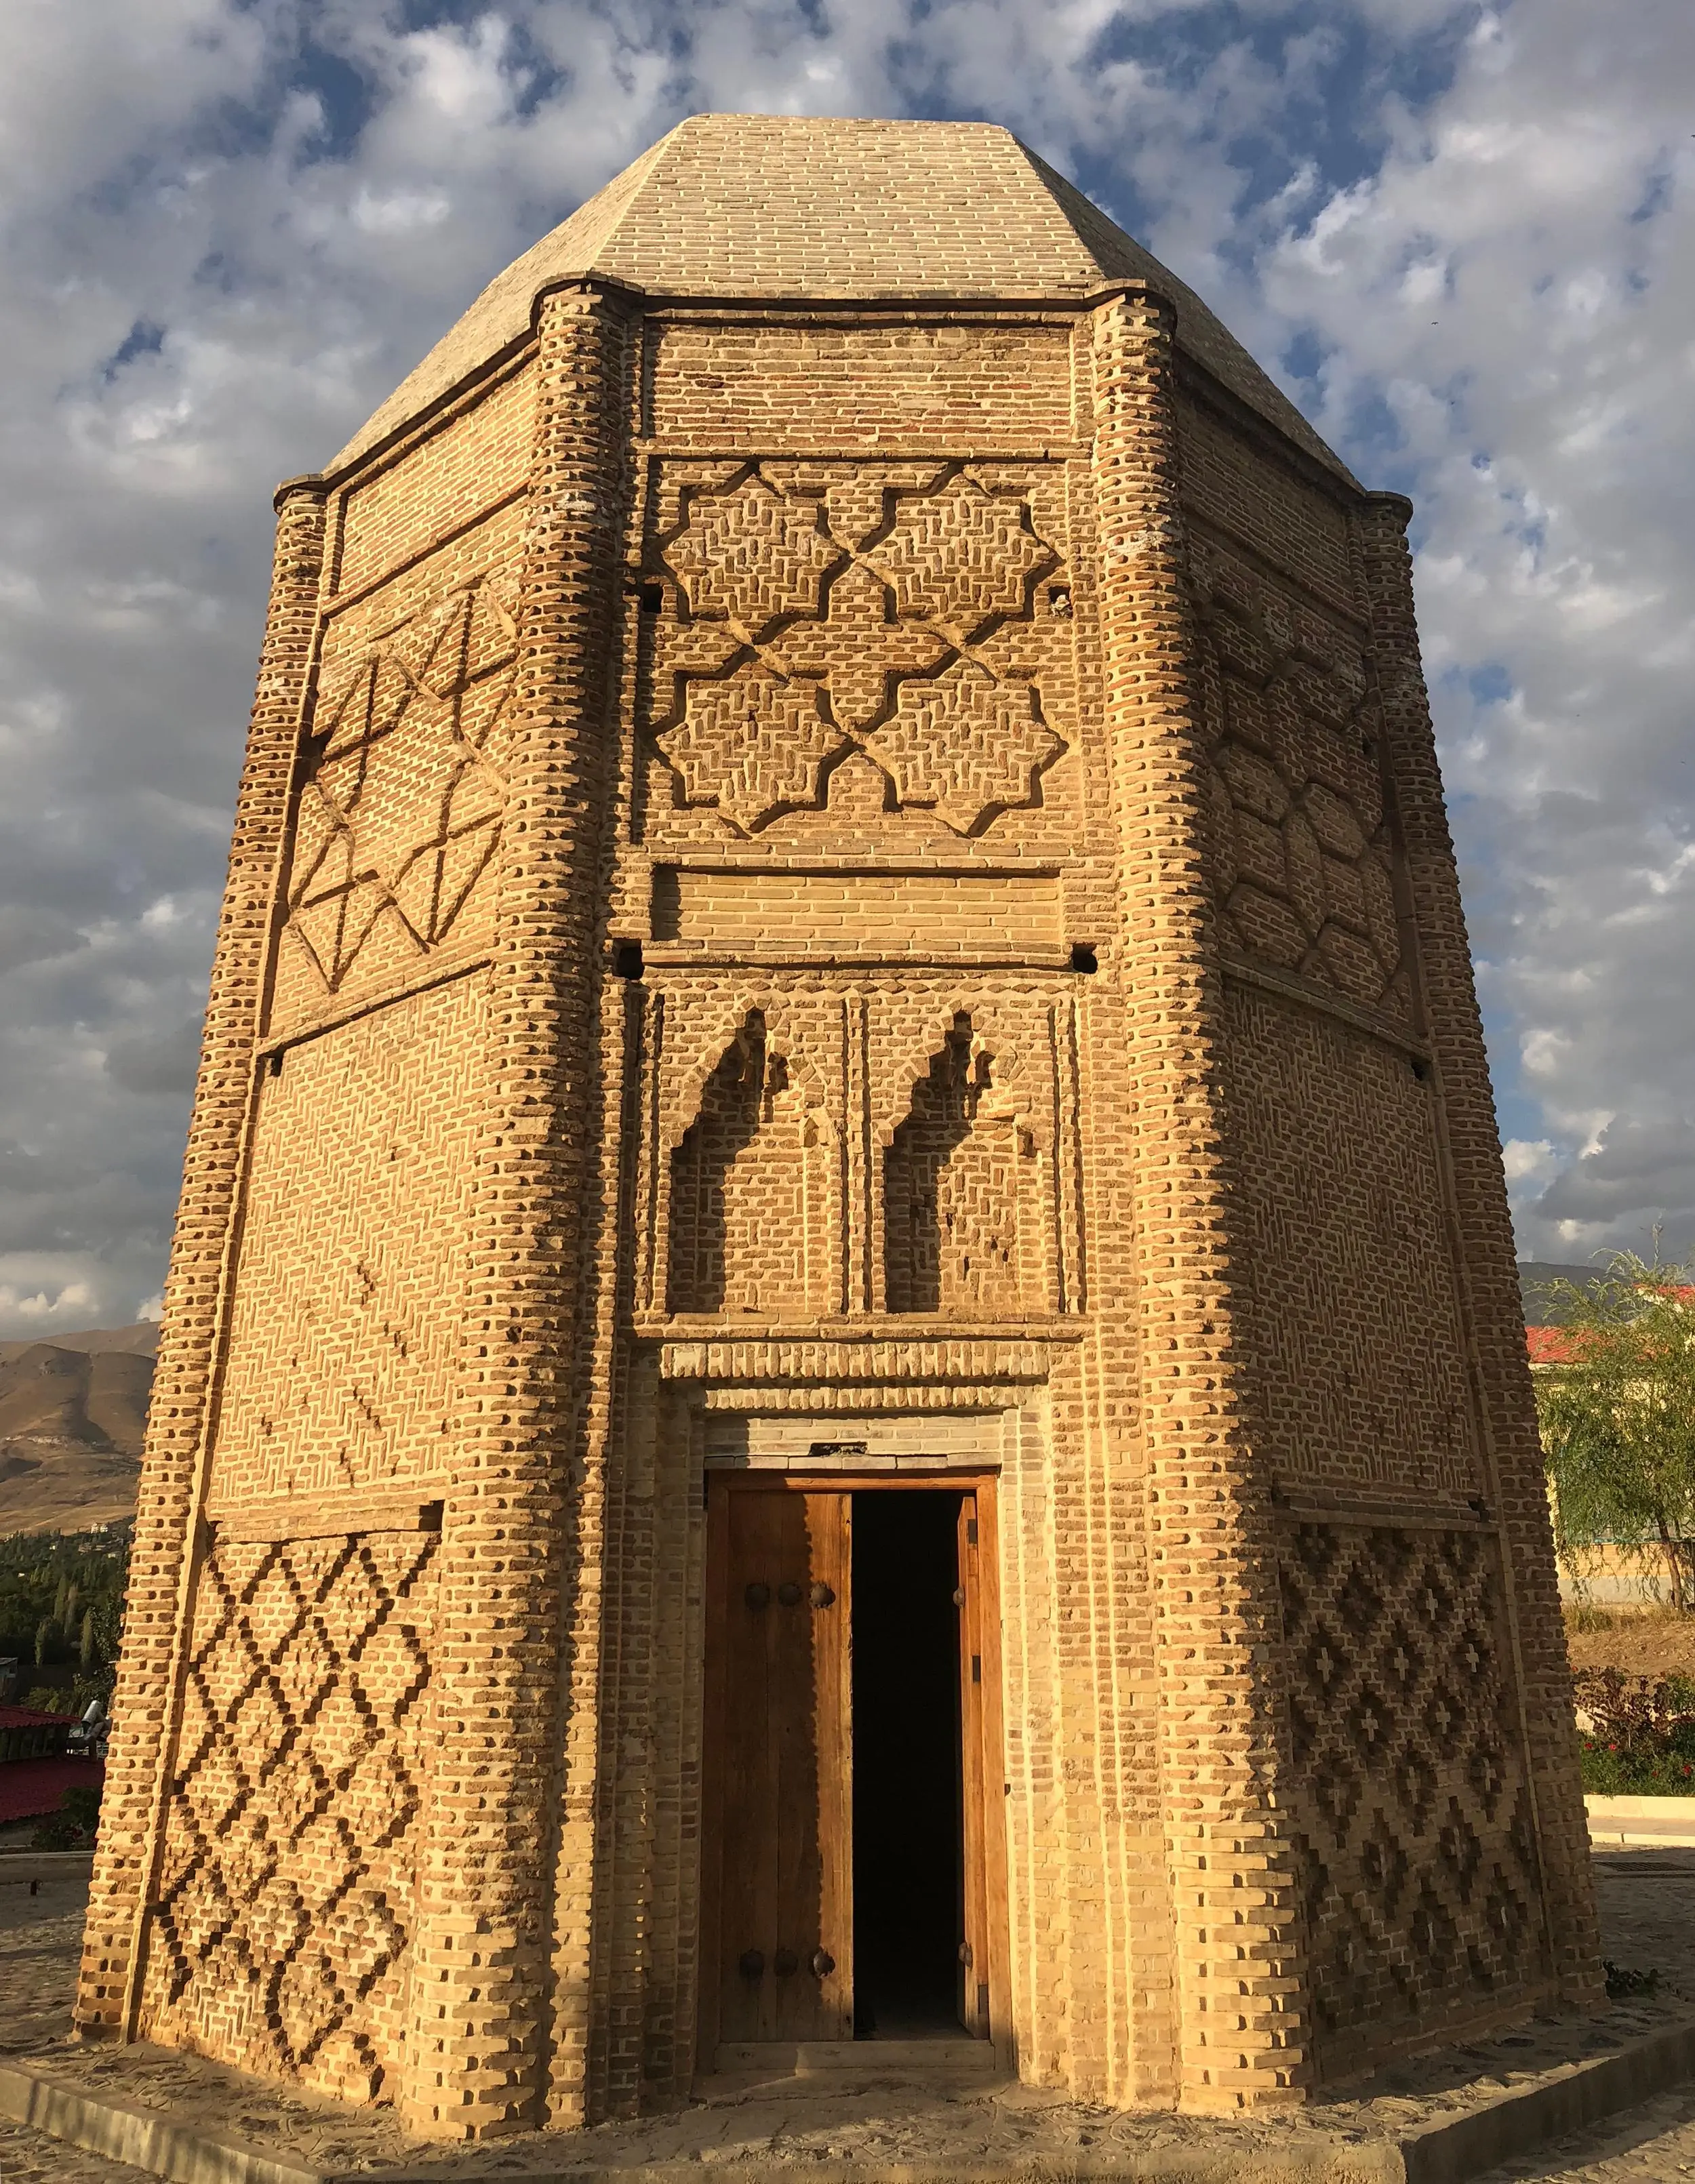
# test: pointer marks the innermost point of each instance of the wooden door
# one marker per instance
(784, 1768)
(974, 1950)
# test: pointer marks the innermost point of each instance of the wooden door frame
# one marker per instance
(982, 1482)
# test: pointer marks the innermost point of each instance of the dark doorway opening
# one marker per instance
(908, 1864)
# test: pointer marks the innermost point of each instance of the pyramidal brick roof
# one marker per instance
(756, 206)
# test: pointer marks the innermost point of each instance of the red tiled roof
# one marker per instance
(32, 1787)
(1558, 1345)
(17, 1717)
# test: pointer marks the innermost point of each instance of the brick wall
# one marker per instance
(1052, 1047)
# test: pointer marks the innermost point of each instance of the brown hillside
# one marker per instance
(140, 1338)
(71, 1423)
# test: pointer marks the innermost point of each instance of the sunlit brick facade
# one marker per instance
(841, 851)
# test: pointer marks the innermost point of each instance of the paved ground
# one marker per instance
(1647, 1902)
(41, 1938)
(1655, 2142)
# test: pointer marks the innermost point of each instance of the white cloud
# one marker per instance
(38, 1313)
(1514, 284)
(222, 250)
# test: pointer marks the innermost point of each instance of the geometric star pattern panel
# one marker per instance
(1301, 850)
(401, 815)
(281, 1936)
(1417, 1852)
(909, 612)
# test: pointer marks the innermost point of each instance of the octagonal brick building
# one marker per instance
(842, 1360)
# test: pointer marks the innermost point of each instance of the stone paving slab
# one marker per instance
(31, 2157)
(1653, 2143)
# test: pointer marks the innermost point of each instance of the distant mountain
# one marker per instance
(1534, 1276)
(140, 1341)
(72, 1416)
(73, 1411)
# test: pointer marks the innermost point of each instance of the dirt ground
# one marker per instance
(1651, 1643)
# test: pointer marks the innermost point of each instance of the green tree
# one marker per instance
(1618, 1414)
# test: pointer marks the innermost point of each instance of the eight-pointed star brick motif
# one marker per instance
(795, 646)
(965, 744)
(753, 746)
(401, 815)
(752, 557)
(961, 557)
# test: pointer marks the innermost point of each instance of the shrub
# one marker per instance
(72, 1826)
(1640, 1741)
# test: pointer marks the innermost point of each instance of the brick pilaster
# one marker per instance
(1239, 2018)
(161, 1560)
(516, 1671)
(1483, 1224)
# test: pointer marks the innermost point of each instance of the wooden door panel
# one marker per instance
(785, 1896)
(973, 1954)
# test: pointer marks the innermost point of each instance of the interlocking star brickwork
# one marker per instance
(897, 611)
(1302, 853)
(400, 818)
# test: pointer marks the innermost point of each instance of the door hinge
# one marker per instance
(977, 1667)
(971, 1531)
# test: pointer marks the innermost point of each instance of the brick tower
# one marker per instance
(843, 1356)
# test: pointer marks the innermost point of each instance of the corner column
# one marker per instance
(1471, 1143)
(1241, 2030)
(162, 1558)
(516, 1674)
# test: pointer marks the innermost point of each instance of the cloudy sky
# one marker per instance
(1463, 237)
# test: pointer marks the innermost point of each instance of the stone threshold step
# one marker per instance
(808, 2058)
(1450, 2150)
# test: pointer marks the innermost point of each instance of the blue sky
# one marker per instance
(1461, 236)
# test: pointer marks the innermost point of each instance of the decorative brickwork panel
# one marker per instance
(953, 1180)
(398, 820)
(1352, 1316)
(284, 1900)
(1301, 853)
(754, 1219)
(915, 613)
(853, 1067)
(1418, 1866)
(350, 1285)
